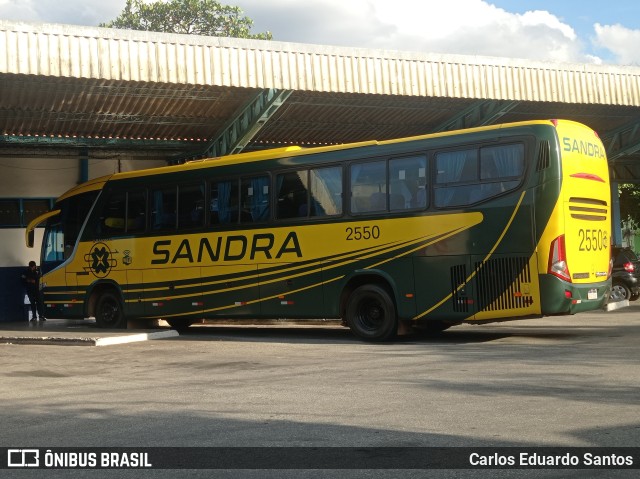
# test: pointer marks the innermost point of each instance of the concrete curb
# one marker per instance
(132, 338)
(616, 305)
(88, 341)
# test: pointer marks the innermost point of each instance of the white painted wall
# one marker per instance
(46, 178)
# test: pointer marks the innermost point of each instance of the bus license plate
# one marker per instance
(593, 294)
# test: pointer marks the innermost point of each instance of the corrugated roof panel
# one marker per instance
(101, 83)
(85, 52)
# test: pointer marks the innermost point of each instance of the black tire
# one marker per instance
(634, 297)
(109, 312)
(619, 292)
(371, 313)
(179, 325)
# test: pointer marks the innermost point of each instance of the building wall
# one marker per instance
(39, 178)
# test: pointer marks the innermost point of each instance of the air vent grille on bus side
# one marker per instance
(543, 155)
(458, 291)
(588, 209)
(499, 284)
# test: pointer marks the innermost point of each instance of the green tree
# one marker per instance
(196, 17)
(629, 202)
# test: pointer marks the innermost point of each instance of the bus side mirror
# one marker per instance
(29, 237)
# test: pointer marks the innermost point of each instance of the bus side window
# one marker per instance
(453, 168)
(163, 208)
(407, 183)
(369, 187)
(190, 206)
(326, 191)
(223, 204)
(136, 211)
(501, 168)
(254, 199)
(112, 217)
(292, 194)
(504, 162)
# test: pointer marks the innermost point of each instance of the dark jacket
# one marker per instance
(31, 279)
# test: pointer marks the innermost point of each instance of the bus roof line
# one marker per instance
(295, 151)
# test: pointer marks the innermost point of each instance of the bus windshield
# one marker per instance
(62, 230)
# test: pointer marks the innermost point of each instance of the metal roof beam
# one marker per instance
(625, 171)
(84, 142)
(481, 113)
(99, 118)
(623, 141)
(246, 124)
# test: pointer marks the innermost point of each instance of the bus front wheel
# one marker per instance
(371, 313)
(109, 312)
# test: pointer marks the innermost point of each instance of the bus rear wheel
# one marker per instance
(109, 312)
(371, 313)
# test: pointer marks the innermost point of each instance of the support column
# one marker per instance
(616, 227)
(84, 165)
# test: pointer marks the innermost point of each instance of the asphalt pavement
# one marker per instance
(566, 381)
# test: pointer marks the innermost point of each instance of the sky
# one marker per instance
(575, 31)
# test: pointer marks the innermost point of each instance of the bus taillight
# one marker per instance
(558, 259)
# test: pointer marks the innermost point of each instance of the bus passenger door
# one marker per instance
(134, 294)
(72, 305)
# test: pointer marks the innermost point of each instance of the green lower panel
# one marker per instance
(176, 297)
(554, 300)
(291, 294)
(230, 292)
(441, 291)
(70, 310)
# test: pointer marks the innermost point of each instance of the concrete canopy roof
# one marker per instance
(70, 91)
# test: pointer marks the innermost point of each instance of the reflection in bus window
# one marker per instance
(326, 191)
(368, 187)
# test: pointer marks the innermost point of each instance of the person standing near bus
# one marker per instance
(31, 279)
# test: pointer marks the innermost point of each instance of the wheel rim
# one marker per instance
(618, 293)
(370, 314)
(109, 312)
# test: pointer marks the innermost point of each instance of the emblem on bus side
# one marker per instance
(127, 259)
(100, 260)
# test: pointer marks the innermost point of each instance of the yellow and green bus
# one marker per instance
(487, 224)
